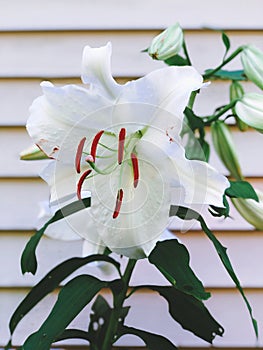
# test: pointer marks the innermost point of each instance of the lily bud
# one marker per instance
(167, 44)
(252, 60)
(225, 148)
(251, 210)
(236, 91)
(33, 153)
(250, 110)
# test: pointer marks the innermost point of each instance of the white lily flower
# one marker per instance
(122, 143)
(250, 110)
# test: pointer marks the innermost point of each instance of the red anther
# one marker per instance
(122, 135)
(94, 144)
(118, 204)
(135, 166)
(81, 180)
(79, 154)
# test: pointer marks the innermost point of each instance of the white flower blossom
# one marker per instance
(121, 143)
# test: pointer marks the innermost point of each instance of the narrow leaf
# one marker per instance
(172, 259)
(177, 60)
(52, 281)
(74, 296)
(226, 42)
(241, 189)
(151, 340)
(28, 259)
(189, 214)
(74, 334)
(228, 75)
(190, 312)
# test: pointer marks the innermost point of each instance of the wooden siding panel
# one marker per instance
(131, 14)
(58, 54)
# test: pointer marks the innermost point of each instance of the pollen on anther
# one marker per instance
(94, 144)
(122, 135)
(81, 180)
(79, 154)
(135, 166)
(118, 204)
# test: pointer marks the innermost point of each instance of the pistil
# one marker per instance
(118, 204)
(80, 182)
(79, 154)
(135, 166)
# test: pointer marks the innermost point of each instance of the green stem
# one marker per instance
(192, 99)
(230, 58)
(119, 298)
(186, 53)
(209, 120)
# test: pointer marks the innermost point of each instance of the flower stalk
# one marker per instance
(119, 299)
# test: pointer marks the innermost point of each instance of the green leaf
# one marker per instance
(171, 258)
(190, 312)
(228, 75)
(74, 334)
(189, 214)
(151, 340)
(177, 60)
(52, 281)
(28, 259)
(74, 296)
(194, 121)
(218, 211)
(241, 189)
(226, 42)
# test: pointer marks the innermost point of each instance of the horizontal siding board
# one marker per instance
(226, 306)
(15, 140)
(18, 94)
(131, 14)
(207, 266)
(20, 199)
(36, 54)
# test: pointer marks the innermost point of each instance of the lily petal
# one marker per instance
(96, 70)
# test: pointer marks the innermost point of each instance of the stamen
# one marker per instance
(81, 180)
(118, 204)
(94, 144)
(135, 166)
(122, 135)
(79, 154)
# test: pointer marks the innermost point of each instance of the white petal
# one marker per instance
(144, 212)
(63, 116)
(168, 89)
(96, 70)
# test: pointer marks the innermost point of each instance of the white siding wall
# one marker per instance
(44, 40)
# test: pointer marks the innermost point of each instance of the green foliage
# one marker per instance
(241, 189)
(74, 296)
(151, 340)
(28, 259)
(227, 75)
(171, 258)
(177, 60)
(52, 281)
(190, 313)
(189, 214)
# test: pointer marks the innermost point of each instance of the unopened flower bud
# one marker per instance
(250, 110)
(167, 44)
(236, 91)
(33, 153)
(251, 210)
(252, 60)
(225, 148)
